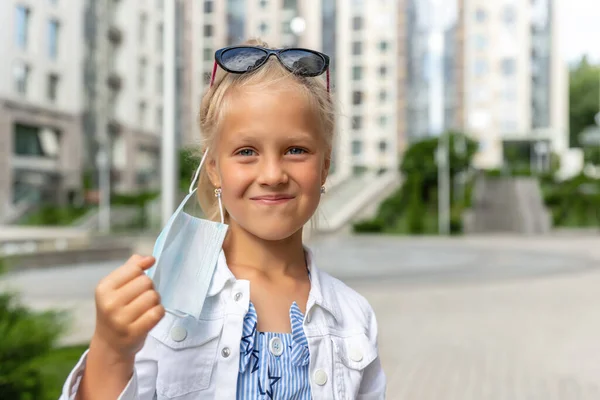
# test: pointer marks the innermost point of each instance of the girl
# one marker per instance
(270, 324)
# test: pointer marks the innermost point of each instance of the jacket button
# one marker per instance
(320, 377)
(355, 355)
(178, 333)
(225, 352)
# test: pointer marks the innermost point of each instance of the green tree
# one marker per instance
(584, 98)
(420, 160)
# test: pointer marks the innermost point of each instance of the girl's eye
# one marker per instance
(296, 151)
(246, 152)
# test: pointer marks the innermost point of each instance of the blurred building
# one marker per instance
(74, 102)
(504, 82)
(508, 80)
(41, 103)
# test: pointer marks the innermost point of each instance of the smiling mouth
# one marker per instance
(271, 200)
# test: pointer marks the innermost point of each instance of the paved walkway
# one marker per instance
(529, 339)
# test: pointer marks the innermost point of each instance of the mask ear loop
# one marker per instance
(195, 179)
(218, 194)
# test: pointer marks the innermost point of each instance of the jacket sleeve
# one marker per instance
(373, 384)
(141, 386)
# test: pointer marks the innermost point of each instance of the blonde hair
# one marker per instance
(270, 76)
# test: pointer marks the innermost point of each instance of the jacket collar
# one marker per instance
(321, 287)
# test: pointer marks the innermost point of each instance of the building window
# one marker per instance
(142, 28)
(263, 28)
(480, 67)
(160, 37)
(208, 7)
(357, 73)
(52, 87)
(480, 15)
(356, 48)
(357, 23)
(509, 14)
(356, 147)
(383, 71)
(382, 121)
(159, 79)
(382, 96)
(508, 66)
(22, 26)
(208, 30)
(357, 98)
(142, 114)
(480, 42)
(159, 4)
(21, 73)
(159, 117)
(142, 73)
(290, 4)
(382, 146)
(264, 4)
(27, 141)
(357, 122)
(383, 46)
(53, 30)
(208, 54)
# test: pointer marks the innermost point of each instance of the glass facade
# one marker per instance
(53, 29)
(22, 26)
(541, 47)
(236, 21)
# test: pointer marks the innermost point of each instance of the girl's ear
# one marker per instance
(212, 171)
(326, 166)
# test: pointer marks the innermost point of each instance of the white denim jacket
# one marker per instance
(187, 359)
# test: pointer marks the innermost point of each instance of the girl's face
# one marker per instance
(270, 161)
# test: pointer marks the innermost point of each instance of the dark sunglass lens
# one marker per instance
(303, 62)
(242, 59)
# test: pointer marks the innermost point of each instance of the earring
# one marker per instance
(323, 189)
(218, 193)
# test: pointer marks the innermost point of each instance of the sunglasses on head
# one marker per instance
(242, 59)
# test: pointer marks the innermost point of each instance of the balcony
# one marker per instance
(115, 35)
(114, 127)
(35, 163)
(114, 81)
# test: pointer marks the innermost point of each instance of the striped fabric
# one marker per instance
(263, 375)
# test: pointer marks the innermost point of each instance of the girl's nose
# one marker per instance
(272, 172)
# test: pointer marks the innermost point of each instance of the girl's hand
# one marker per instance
(127, 308)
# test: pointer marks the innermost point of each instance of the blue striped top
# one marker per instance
(265, 375)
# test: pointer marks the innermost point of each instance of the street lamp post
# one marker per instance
(168, 148)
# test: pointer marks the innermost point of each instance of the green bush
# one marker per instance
(26, 336)
(369, 226)
(139, 199)
(54, 215)
(574, 202)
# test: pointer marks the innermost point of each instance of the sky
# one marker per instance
(580, 26)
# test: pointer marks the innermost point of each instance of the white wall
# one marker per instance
(128, 60)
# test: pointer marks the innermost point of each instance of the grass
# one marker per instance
(56, 366)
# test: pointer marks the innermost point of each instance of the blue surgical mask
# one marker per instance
(187, 251)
